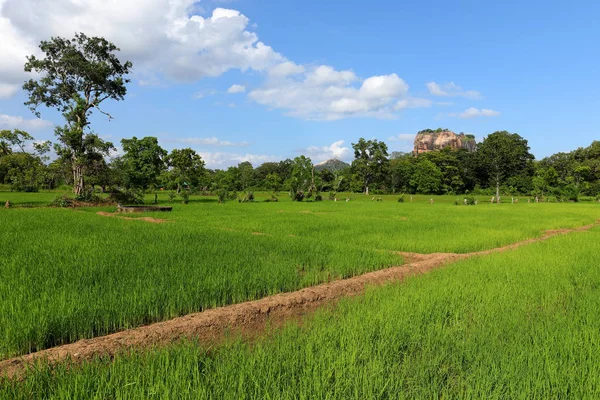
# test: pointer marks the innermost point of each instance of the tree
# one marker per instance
(186, 168)
(370, 162)
(426, 178)
(10, 139)
(401, 170)
(503, 155)
(142, 163)
(77, 76)
(302, 178)
(246, 175)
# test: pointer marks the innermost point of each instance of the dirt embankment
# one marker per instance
(250, 318)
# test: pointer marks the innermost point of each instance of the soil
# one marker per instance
(250, 319)
(147, 219)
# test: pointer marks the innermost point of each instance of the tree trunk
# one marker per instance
(497, 189)
(78, 182)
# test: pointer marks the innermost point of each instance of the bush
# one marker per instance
(172, 196)
(126, 197)
(248, 198)
(401, 199)
(332, 195)
(63, 201)
(318, 197)
(222, 194)
(467, 201)
(185, 196)
(298, 196)
(88, 197)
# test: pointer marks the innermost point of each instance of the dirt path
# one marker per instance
(147, 219)
(249, 318)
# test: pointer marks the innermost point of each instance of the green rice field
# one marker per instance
(521, 323)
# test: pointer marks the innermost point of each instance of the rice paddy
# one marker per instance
(515, 324)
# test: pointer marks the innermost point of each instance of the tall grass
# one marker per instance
(520, 324)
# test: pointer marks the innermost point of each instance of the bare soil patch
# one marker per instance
(147, 219)
(250, 318)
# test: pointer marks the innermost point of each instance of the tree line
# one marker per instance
(502, 165)
(76, 76)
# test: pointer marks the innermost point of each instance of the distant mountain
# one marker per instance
(332, 165)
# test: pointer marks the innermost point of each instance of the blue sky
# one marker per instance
(264, 80)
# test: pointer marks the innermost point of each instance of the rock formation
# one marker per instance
(429, 140)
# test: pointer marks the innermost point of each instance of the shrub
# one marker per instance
(172, 196)
(62, 201)
(126, 196)
(401, 199)
(222, 194)
(88, 197)
(297, 196)
(318, 197)
(185, 196)
(332, 195)
(248, 198)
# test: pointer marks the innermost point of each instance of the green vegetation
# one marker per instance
(519, 324)
(91, 275)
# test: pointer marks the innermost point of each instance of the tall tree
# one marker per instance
(426, 178)
(302, 178)
(186, 168)
(503, 155)
(371, 162)
(76, 76)
(143, 162)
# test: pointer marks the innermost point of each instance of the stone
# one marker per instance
(430, 140)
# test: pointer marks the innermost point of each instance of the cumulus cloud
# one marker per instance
(222, 160)
(451, 90)
(324, 93)
(169, 42)
(236, 89)
(14, 122)
(336, 150)
(475, 112)
(212, 141)
(161, 37)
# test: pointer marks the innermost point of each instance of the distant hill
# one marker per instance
(332, 165)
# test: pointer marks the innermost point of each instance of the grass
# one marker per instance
(520, 324)
(67, 275)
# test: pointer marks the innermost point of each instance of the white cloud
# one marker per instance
(413, 103)
(160, 37)
(212, 141)
(8, 90)
(451, 90)
(13, 122)
(286, 68)
(403, 137)
(223, 160)
(167, 41)
(236, 89)
(336, 150)
(474, 112)
(323, 93)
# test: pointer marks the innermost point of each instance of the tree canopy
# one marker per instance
(76, 76)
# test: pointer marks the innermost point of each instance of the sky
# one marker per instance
(265, 80)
